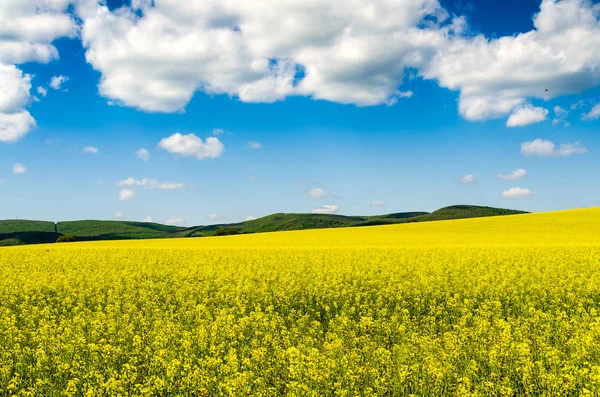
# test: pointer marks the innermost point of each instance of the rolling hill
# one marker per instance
(18, 232)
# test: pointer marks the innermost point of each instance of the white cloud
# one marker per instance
(516, 192)
(377, 203)
(526, 115)
(560, 115)
(218, 131)
(593, 114)
(558, 57)
(119, 215)
(57, 81)
(469, 178)
(514, 176)
(19, 168)
(326, 209)
(155, 55)
(254, 145)
(249, 218)
(42, 91)
(90, 150)
(175, 222)
(191, 145)
(143, 154)
(543, 148)
(214, 216)
(150, 184)
(317, 192)
(148, 219)
(14, 126)
(126, 194)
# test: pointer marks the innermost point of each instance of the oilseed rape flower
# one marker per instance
(498, 306)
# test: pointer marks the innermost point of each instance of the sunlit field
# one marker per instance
(494, 306)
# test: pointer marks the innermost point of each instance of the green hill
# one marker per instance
(465, 211)
(116, 230)
(16, 232)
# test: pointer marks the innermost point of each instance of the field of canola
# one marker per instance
(501, 306)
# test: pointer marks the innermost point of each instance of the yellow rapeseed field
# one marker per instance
(505, 306)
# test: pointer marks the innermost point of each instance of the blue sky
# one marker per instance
(381, 152)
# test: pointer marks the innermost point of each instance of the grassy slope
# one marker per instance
(115, 230)
(23, 225)
(13, 232)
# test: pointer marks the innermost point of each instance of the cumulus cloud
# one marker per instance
(19, 168)
(526, 115)
(175, 222)
(377, 203)
(57, 81)
(249, 218)
(155, 55)
(148, 219)
(544, 148)
(516, 192)
(42, 91)
(214, 216)
(191, 145)
(254, 145)
(126, 194)
(514, 176)
(143, 154)
(494, 76)
(14, 126)
(593, 114)
(90, 150)
(150, 184)
(317, 192)
(218, 131)
(469, 178)
(560, 115)
(119, 215)
(326, 209)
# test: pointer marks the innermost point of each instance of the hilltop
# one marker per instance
(18, 232)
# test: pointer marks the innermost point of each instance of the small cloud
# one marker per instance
(593, 114)
(90, 149)
(148, 219)
(560, 115)
(469, 178)
(57, 81)
(214, 216)
(42, 91)
(150, 184)
(219, 131)
(377, 203)
(516, 192)
(543, 148)
(126, 194)
(514, 176)
(526, 115)
(175, 222)
(249, 218)
(19, 168)
(143, 154)
(254, 145)
(326, 209)
(191, 145)
(317, 192)
(119, 215)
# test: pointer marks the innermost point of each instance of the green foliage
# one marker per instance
(23, 225)
(226, 231)
(66, 239)
(116, 230)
